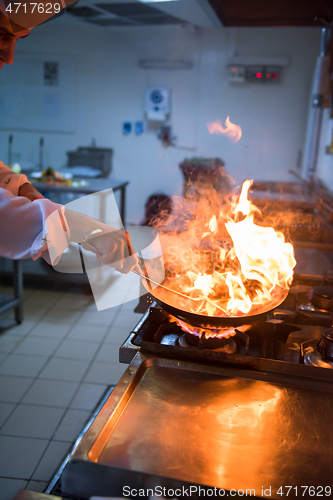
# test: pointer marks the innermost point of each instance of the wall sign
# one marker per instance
(37, 94)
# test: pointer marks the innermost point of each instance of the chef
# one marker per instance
(32, 226)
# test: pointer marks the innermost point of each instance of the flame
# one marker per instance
(233, 131)
(239, 299)
(225, 332)
(248, 268)
(213, 224)
(203, 283)
(244, 205)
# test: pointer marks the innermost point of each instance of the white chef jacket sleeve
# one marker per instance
(11, 181)
(30, 229)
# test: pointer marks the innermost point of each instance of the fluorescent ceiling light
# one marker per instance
(165, 64)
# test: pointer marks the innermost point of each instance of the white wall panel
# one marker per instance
(109, 89)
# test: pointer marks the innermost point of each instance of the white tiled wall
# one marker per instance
(54, 368)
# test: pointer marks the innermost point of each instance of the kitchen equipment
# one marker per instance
(200, 320)
(182, 306)
(157, 103)
(98, 159)
(201, 174)
(229, 433)
(145, 278)
(32, 495)
(247, 414)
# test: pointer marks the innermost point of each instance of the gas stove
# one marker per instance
(197, 415)
(299, 331)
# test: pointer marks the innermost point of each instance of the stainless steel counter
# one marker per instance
(92, 186)
(171, 422)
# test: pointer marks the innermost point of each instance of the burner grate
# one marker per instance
(297, 320)
(258, 340)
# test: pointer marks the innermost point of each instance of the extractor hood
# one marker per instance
(134, 13)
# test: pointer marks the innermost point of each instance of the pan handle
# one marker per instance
(142, 266)
(141, 263)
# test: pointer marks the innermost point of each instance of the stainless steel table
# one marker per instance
(93, 186)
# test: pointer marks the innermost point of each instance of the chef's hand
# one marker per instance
(112, 246)
(29, 191)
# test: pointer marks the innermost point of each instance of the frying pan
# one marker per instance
(174, 303)
(178, 306)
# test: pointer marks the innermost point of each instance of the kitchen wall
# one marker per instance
(325, 161)
(109, 89)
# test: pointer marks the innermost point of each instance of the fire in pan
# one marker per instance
(225, 270)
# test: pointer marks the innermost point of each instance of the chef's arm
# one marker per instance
(17, 184)
(22, 226)
(29, 191)
(42, 228)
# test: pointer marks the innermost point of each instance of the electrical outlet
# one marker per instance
(236, 73)
(127, 128)
(138, 128)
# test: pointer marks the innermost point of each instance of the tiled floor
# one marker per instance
(54, 368)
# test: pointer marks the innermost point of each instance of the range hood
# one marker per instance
(263, 13)
(204, 13)
(134, 13)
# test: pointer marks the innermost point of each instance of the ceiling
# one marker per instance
(127, 13)
(260, 13)
(200, 13)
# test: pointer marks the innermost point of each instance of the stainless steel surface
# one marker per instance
(314, 358)
(313, 262)
(93, 157)
(32, 495)
(93, 186)
(53, 485)
(189, 415)
(217, 426)
(313, 245)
